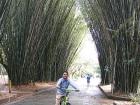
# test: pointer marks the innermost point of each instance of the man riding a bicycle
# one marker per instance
(61, 86)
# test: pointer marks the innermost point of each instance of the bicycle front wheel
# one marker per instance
(63, 103)
(68, 104)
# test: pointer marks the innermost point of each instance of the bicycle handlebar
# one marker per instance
(69, 90)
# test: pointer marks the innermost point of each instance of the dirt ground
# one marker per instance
(23, 91)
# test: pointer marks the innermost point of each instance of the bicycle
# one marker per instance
(65, 99)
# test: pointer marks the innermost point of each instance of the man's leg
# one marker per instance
(58, 99)
(87, 83)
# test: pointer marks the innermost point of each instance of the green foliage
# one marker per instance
(41, 39)
(115, 28)
(2, 57)
(3, 15)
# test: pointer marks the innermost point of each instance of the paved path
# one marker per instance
(87, 96)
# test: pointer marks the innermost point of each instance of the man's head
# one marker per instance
(65, 74)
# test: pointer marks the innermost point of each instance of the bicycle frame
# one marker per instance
(65, 99)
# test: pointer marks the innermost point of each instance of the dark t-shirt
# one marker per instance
(88, 79)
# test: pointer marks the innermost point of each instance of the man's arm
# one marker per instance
(58, 83)
(73, 85)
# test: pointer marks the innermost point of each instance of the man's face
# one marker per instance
(65, 75)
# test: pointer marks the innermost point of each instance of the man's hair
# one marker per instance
(66, 72)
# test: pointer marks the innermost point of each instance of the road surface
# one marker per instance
(90, 95)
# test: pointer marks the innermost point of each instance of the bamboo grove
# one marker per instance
(115, 25)
(3, 15)
(40, 39)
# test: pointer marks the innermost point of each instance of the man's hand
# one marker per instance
(58, 87)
